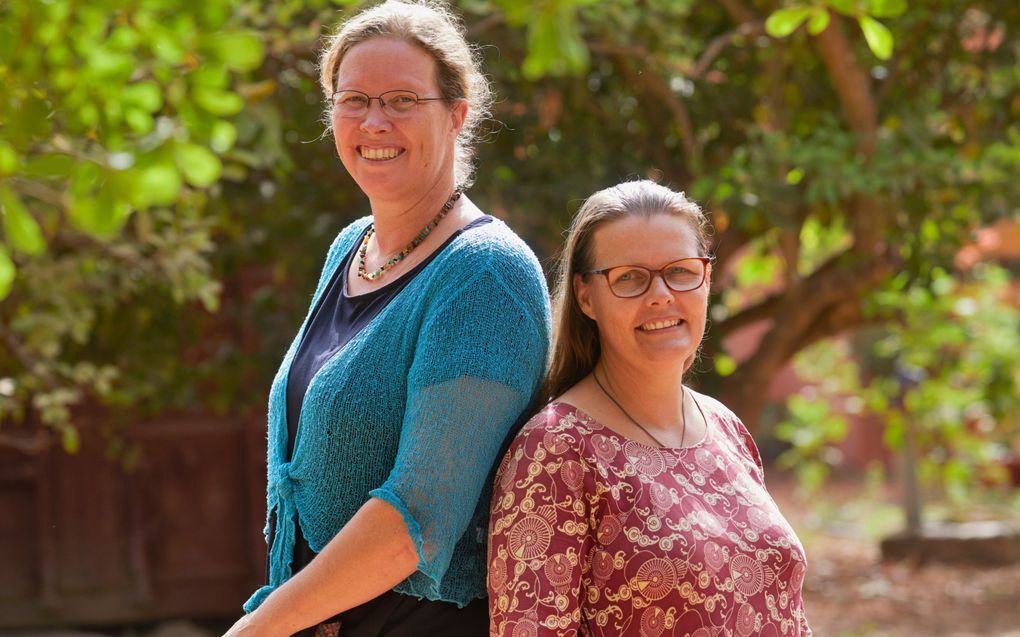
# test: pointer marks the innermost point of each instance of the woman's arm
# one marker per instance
(539, 535)
(371, 554)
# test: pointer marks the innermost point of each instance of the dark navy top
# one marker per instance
(336, 319)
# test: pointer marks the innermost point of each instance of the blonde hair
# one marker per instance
(575, 347)
(431, 26)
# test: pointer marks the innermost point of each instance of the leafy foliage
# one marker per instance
(168, 192)
(944, 374)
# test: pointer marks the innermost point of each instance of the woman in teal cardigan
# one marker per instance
(425, 343)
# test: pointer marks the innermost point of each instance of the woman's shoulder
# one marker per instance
(495, 245)
(489, 262)
(722, 417)
(558, 427)
(712, 406)
(350, 233)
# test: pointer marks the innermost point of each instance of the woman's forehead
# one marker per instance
(651, 240)
(386, 63)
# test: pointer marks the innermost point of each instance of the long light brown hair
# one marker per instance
(431, 26)
(575, 346)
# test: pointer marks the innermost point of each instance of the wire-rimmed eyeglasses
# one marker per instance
(397, 103)
(682, 275)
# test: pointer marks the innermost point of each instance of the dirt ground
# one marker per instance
(849, 592)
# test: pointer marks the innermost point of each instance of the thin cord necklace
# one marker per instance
(397, 258)
(683, 412)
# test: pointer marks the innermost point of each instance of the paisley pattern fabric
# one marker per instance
(595, 534)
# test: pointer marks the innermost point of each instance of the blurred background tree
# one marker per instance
(168, 190)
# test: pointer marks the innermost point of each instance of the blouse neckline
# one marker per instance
(583, 415)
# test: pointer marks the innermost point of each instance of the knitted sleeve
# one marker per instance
(478, 361)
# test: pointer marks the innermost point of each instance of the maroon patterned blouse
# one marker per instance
(595, 534)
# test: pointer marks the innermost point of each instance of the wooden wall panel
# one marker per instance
(84, 542)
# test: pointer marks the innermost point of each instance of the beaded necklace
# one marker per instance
(683, 412)
(397, 258)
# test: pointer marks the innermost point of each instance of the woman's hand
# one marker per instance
(252, 625)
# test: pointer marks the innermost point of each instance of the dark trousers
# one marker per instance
(395, 615)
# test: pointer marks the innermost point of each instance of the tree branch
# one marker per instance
(738, 11)
(834, 320)
(727, 244)
(823, 303)
(764, 309)
(10, 341)
(851, 82)
(615, 49)
(41, 192)
(719, 44)
(494, 19)
(658, 87)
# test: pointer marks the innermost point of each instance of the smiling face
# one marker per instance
(660, 326)
(396, 159)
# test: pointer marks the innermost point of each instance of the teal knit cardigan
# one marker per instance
(414, 410)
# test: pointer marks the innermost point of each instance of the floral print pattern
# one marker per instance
(595, 534)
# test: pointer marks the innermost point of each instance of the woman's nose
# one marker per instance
(658, 292)
(375, 118)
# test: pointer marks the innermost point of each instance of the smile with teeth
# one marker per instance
(659, 325)
(379, 154)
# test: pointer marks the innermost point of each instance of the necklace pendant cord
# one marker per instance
(417, 241)
(683, 412)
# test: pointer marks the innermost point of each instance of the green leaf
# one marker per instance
(880, 39)
(157, 185)
(145, 95)
(20, 226)
(70, 440)
(239, 51)
(543, 48)
(819, 21)
(223, 136)
(725, 365)
(104, 63)
(139, 121)
(102, 216)
(846, 7)
(887, 8)
(166, 47)
(216, 101)
(50, 166)
(785, 21)
(200, 166)
(7, 272)
(8, 159)
(213, 75)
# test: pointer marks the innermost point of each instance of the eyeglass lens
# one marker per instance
(680, 276)
(356, 103)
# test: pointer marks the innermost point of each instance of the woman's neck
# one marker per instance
(397, 223)
(651, 395)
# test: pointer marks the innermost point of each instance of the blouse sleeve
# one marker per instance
(478, 361)
(538, 536)
(745, 444)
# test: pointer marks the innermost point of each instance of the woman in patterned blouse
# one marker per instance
(632, 505)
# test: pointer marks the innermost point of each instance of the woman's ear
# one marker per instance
(582, 292)
(459, 114)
